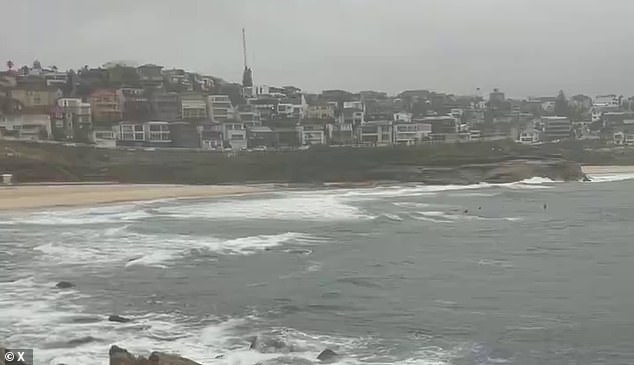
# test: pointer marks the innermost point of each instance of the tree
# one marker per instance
(10, 64)
(37, 65)
(54, 68)
(561, 105)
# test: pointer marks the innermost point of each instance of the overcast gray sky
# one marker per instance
(524, 47)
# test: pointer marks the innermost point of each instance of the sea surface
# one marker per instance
(534, 272)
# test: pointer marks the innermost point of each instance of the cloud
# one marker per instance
(525, 47)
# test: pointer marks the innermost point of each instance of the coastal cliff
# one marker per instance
(434, 164)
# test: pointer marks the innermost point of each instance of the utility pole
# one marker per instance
(244, 47)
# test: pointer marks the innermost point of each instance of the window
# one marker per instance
(159, 132)
(127, 133)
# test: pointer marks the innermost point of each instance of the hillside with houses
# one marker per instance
(119, 105)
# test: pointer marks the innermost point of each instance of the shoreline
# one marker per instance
(607, 169)
(33, 197)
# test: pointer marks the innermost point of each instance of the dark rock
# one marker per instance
(118, 318)
(81, 341)
(121, 356)
(327, 356)
(64, 285)
(159, 358)
(586, 178)
(85, 319)
(270, 344)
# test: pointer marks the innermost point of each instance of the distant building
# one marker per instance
(556, 128)
(165, 106)
(220, 108)
(150, 134)
(341, 134)
(443, 124)
(184, 135)
(249, 115)
(411, 133)
(376, 132)
(353, 116)
(177, 80)
(74, 118)
(313, 133)
(607, 100)
(193, 107)
(106, 138)
(135, 105)
(211, 136)
(321, 110)
(151, 76)
(497, 96)
(260, 137)
(235, 135)
(105, 105)
(35, 98)
(529, 136)
(402, 117)
(286, 137)
(26, 126)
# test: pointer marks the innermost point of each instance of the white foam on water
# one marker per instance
(396, 191)
(610, 177)
(392, 217)
(444, 217)
(82, 216)
(537, 180)
(94, 247)
(45, 316)
(285, 206)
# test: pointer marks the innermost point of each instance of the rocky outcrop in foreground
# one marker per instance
(120, 356)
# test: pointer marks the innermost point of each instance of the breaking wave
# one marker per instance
(137, 249)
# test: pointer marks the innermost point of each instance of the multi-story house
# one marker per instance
(105, 105)
(341, 134)
(352, 116)
(324, 111)
(375, 132)
(220, 108)
(134, 104)
(556, 128)
(211, 136)
(26, 126)
(178, 80)
(35, 98)
(150, 76)
(411, 133)
(193, 107)
(151, 133)
(249, 115)
(312, 133)
(73, 117)
(165, 106)
(235, 135)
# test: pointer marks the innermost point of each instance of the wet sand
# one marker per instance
(607, 170)
(48, 196)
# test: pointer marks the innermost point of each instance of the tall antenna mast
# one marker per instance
(244, 47)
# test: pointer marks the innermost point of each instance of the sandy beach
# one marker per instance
(607, 170)
(48, 196)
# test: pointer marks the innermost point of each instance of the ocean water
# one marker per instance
(534, 272)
